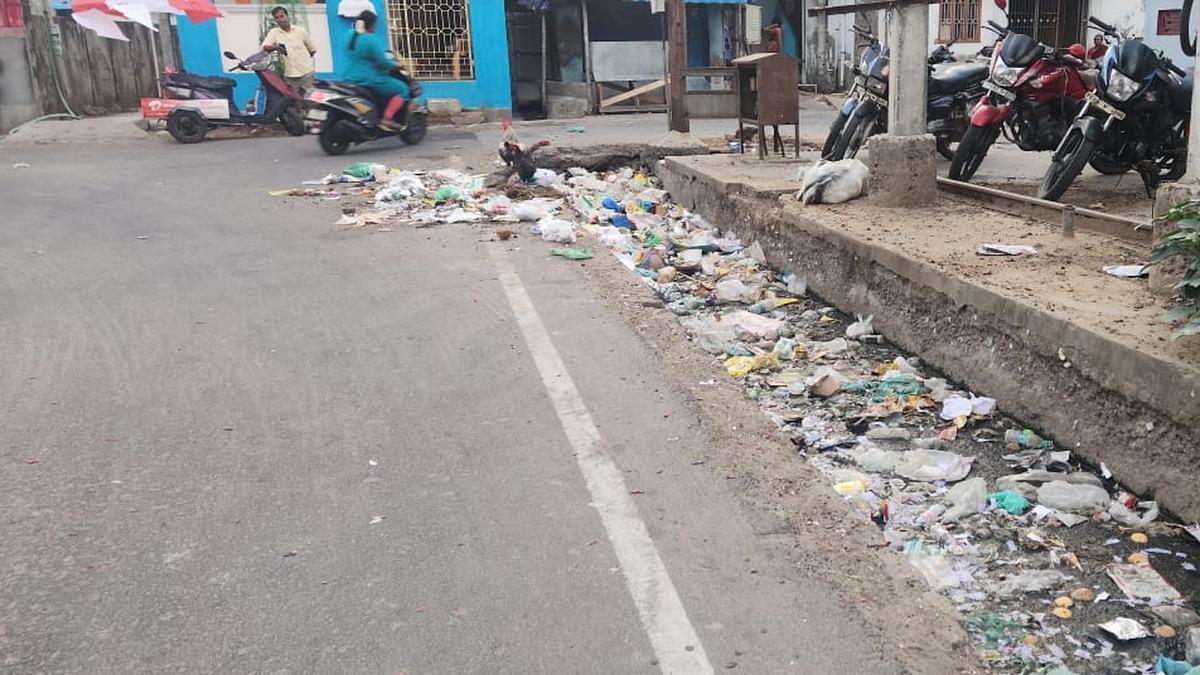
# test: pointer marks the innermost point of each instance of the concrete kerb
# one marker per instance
(1132, 410)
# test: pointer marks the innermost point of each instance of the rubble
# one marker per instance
(1029, 544)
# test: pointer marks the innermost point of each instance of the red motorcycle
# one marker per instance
(1034, 94)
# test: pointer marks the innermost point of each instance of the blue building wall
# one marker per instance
(491, 88)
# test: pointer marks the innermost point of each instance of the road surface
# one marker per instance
(238, 439)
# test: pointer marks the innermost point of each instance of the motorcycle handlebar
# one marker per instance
(1107, 28)
(997, 27)
(1174, 68)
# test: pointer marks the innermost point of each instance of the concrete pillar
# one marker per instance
(908, 42)
(1167, 196)
(903, 169)
(1193, 160)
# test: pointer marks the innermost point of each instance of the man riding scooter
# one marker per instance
(370, 66)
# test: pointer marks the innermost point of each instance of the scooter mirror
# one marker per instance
(1002, 4)
(230, 55)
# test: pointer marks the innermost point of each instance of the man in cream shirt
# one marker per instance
(298, 62)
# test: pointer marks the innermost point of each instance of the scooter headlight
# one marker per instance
(1121, 87)
(1004, 75)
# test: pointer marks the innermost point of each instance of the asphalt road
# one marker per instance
(237, 439)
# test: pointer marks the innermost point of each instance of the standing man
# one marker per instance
(298, 62)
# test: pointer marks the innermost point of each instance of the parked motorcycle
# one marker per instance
(1137, 118)
(951, 88)
(1033, 94)
(274, 101)
(349, 114)
(870, 65)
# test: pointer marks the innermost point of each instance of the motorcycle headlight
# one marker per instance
(877, 87)
(1120, 86)
(1004, 75)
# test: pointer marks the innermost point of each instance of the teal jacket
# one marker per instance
(368, 65)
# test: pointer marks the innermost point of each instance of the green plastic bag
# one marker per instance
(445, 193)
(573, 253)
(1013, 502)
(358, 170)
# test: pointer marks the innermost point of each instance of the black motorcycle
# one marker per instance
(870, 65)
(349, 114)
(1137, 118)
(952, 89)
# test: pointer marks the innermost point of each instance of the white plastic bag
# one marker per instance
(931, 465)
(965, 499)
(734, 290)
(557, 231)
(1073, 498)
(529, 211)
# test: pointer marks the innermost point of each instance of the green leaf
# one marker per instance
(1181, 313)
(1188, 224)
(1162, 253)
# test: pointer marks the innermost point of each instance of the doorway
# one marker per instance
(1058, 23)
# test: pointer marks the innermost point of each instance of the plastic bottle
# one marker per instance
(764, 306)
(1025, 438)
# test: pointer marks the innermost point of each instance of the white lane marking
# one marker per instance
(658, 604)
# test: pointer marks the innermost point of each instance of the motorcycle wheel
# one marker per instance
(187, 126)
(292, 119)
(835, 131)
(852, 138)
(943, 147)
(1066, 164)
(971, 150)
(330, 141)
(414, 131)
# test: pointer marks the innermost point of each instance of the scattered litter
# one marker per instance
(1124, 629)
(1072, 498)
(1129, 271)
(1005, 249)
(931, 465)
(573, 253)
(1141, 582)
(21, 165)
(375, 520)
(1175, 616)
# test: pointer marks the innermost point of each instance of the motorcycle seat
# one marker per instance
(214, 82)
(956, 77)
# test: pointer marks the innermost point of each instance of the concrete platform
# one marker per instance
(1080, 355)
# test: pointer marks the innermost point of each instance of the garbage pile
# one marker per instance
(1054, 567)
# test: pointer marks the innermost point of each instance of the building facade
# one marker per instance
(458, 48)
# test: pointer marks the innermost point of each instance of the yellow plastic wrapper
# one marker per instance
(740, 366)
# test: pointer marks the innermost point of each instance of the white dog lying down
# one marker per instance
(833, 182)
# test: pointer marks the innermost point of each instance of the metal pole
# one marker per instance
(154, 60)
(587, 44)
(1068, 220)
(545, 103)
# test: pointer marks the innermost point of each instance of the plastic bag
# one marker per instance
(785, 349)
(446, 193)
(573, 253)
(400, 188)
(965, 498)
(714, 334)
(529, 211)
(931, 465)
(1129, 517)
(546, 177)
(860, 329)
(557, 231)
(1012, 502)
(735, 290)
(1073, 498)
(740, 366)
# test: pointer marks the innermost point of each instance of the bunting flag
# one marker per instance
(101, 16)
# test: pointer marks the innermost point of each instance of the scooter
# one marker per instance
(198, 108)
(349, 114)
(1033, 93)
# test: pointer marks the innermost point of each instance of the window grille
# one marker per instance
(434, 37)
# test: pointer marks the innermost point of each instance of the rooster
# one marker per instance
(515, 155)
